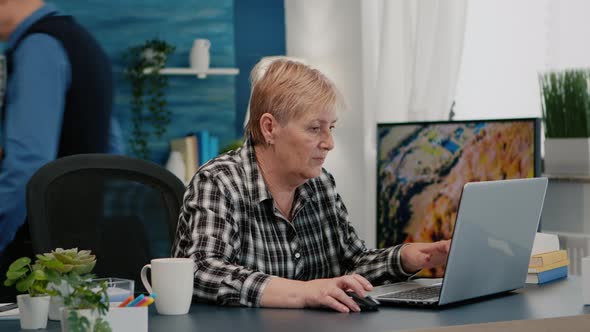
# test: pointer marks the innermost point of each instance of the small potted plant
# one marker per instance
(33, 306)
(86, 305)
(59, 264)
(148, 102)
(566, 115)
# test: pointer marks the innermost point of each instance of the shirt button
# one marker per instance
(297, 255)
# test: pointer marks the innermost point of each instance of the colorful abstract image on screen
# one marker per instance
(421, 170)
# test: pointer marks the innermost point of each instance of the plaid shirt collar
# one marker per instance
(256, 186)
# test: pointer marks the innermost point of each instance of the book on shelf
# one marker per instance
(208, 146)
(213, 146)
(545, 243)
(187, 146)
(203, 138)
(547, 276)
(552, 266)
(548, 258)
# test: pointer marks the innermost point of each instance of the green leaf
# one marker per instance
(16, 274)
(64, 257)
(52, 276)
(565, 103)
(102, 326)
(39, 275)
(19, 264)
(78, 323)
(83, 269)
(65, 268)
(39, 289)
(84, 253)
(44, 258)
(25, 284)
(52, 264)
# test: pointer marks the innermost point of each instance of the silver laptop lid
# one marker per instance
(493, 238)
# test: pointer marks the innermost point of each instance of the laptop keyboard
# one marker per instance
(421, 293)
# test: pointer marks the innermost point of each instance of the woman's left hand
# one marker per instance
(417, 256)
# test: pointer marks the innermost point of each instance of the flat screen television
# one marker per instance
(422, 167)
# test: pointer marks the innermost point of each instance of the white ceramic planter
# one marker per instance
(120, 319)
(91, 315)
(33, 311)
(567, 156)
(57, 302)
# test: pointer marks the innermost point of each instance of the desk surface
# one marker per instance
(561, 298)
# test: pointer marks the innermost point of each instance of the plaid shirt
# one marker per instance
(230, 226)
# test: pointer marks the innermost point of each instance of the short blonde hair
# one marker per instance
(285, 90)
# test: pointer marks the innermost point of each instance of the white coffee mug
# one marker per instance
(172, 281)
(199, 57)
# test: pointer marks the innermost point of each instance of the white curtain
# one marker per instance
(411, 57)
(394, 60)
(327, 34)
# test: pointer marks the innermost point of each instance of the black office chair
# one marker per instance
(123, 209)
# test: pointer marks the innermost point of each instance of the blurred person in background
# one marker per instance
(58, 102)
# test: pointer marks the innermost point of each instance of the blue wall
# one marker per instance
(195, 104)
(255, 38)
(241, 32)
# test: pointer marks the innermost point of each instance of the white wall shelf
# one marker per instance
(192, 71)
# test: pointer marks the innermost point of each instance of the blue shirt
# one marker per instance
(36, 92)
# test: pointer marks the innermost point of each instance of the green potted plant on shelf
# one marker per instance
(86, 305)
(32, 279)
(59, 264)
(148, 103)
(566, 116)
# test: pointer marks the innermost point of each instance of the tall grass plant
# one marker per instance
(566, 103)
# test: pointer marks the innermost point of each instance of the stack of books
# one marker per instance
(196, 149)
(547, 266)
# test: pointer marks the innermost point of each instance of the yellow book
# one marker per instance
(549, 267)
(548, 258)
(193, 157)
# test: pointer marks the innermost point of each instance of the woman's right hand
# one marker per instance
(331, 293)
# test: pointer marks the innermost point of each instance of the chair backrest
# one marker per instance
(123, 209)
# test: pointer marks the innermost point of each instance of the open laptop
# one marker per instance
(491, 246)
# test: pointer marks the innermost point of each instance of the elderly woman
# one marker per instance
(265, 224)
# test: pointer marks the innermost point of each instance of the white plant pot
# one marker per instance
(57, 302)
(91, 315)
(567, 156)
(153, 57)
(33, 311)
